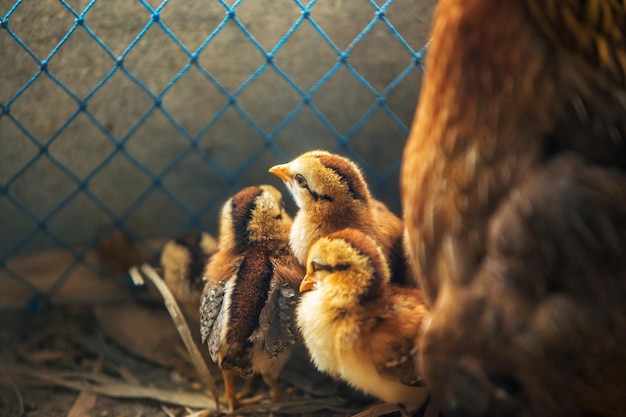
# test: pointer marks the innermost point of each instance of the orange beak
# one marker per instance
(281, 171)
(307, 283)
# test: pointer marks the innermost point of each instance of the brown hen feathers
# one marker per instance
(514, 200)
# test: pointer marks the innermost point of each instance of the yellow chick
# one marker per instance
(356, 325)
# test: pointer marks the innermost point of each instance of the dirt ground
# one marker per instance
(46, 357)
(62, 341)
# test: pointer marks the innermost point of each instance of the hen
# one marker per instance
(514, 200)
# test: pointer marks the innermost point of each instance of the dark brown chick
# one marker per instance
(332, 194)
(248, 303)
(355, 324)
(514, 202)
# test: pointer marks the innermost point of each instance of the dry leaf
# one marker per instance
(118, 253)
(83, 404)
(145, 331)
(86, 400)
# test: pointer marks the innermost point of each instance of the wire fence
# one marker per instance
(144, 116)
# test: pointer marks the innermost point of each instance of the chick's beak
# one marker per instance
(281, 172)
(307, 283)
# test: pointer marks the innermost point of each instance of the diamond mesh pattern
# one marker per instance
(100, 127)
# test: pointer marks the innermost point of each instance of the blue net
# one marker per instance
(144, 116)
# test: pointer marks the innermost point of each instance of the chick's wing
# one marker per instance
(395, 350)
(277, 321)
(219, 271)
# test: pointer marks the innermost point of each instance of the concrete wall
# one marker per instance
(197, 181)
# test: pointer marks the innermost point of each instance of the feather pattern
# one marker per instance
(513, 192)
(248, 303)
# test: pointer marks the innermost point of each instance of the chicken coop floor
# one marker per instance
(41, 352)
(61, 362)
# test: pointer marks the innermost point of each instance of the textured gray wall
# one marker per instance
(198, 180)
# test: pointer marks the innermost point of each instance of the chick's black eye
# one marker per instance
(279, 216)
(301, 181)
(317, 267)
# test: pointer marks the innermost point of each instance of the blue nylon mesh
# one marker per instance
(117, 219)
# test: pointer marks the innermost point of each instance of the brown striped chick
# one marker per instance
(332, 194)
(183, 261)
(356, 325)
(251, 291)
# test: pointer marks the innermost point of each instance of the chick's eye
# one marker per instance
(315, 267)
(301, 181)
(279, 216)
(341, 267)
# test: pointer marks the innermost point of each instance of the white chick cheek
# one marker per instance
(295, 192)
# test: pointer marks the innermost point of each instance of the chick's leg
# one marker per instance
(245, 396)
(250, 387)
(278, 391)
(229, 388)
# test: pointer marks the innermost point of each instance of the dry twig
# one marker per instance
(6, 381)
(181, 326)
(381, 409)
(86, 400)
(108, 386)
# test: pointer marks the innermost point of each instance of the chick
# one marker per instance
(355, 324)
(183, 261)
(513, 200)
(332, 195)
(248, 302)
